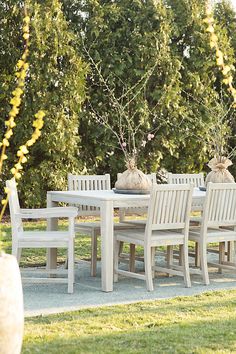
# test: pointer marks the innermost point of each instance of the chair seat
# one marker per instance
(137, 223)
(42, 238)
(159, 238)
(96, 226)
(213, 235)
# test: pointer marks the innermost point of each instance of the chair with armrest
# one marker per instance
(42, 239)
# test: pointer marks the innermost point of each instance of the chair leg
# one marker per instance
(197, 255)
(203, 262)
(181, 255)
(153, 252)
(169, 258)
(121, 247)
(187, 280)
(221, 255)
(229, 251)
(16, 251)
(148, 268)
(116, 259)
(132, 258)
(71, 275)
(93, 269)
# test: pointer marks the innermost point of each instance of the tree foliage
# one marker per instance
(124, 39)
(56, 83)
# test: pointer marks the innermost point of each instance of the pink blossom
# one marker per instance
(124, 144)
(143, 143)
(150, 136)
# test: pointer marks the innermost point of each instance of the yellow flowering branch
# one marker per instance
(21, 73)
(224, 68)
(22, 67)
(23, 150)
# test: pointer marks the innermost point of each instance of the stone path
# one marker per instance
(42, 299)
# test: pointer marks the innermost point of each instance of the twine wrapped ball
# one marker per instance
(220, 173)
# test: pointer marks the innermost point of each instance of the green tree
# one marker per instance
(200, 84)
(125, 39)
(55, 83)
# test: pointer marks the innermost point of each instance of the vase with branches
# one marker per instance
(134, 127)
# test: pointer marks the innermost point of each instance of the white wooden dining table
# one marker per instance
(107, 201)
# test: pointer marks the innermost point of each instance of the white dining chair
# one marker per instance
(42, 239)
(167, 225)
(218, 226)
(93, 229)
(197, 179)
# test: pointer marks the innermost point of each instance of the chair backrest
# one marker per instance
(169, 207)
(220, 205)
(14, 206)
(197, 179)
(88, 183)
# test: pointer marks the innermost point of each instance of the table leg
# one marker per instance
(107, 214)
(52, 224)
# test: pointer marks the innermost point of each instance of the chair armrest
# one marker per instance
(47, 213)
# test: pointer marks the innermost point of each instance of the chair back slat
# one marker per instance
(197, 179)
(88, 183)
(14, 206)
(169, 207)
(220, 205)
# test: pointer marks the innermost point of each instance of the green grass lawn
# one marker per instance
(199, 324)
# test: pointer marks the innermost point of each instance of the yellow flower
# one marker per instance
(5, 142)
(212, 44)
(24, 159)
(26, 66)
(18, 166)
(8, 134)
(15, 101)
(19, 153)
(23, 74)
(14, 111)
(4, 201)
(226, 70)
(210, 29)
(219, 61)
(24, 149)
(38, 124)
(214, 37)
(31, 142)
(4, 157)
(26, 28)
(17, 175)
(228, 80)
(6, 190)
(17, 92)
(20, 64)
(40, 114)
(26, 36)
(26, 19)
(12, 124)
(13, 170)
